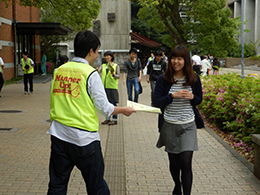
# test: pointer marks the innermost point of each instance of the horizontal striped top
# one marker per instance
(180, 110)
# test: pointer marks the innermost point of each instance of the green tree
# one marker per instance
(207, 22)
(49, 43)
(141, 26)
(74, 14)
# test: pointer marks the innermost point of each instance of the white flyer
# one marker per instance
(143, 108)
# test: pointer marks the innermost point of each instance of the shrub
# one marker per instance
(249, 50)
(233, 104)
(50, 67)
(254, 58)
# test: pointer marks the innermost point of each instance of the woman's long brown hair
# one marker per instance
(180, 51)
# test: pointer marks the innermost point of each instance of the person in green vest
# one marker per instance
(110, 73)
(150, 58)
(27, 66)
(76, 94)
(43, 66)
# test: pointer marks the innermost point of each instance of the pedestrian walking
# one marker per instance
(133, 68)
(150, 59)
(155, 68)
(2, 67)
(110, 73)
(164, 57)
(43, 66)
(216, 66)
(76, 93)
(62, 60)
(177, 93)
(27, 66)
(205, 66)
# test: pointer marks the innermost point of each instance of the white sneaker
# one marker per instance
(29, 93)
(25, 93)
(43, 74)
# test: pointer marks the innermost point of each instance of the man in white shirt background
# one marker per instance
(205, 66)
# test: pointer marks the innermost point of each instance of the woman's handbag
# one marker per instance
(140, 88)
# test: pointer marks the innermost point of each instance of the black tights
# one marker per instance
(181, 162)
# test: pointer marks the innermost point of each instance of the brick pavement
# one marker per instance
(134, 165)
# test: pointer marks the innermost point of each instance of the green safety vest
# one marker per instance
(108, 80)
(70, 103)
(29, 64)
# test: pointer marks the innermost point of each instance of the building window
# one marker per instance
(111, 17)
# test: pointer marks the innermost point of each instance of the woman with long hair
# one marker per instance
(177, 93)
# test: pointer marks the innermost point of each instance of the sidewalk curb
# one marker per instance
(249, 165)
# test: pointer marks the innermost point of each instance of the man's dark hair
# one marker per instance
(163, 49)
(134, 50)
(84, 41)
(110, 53)
(63, 59)
(25, 53)
(158, 53)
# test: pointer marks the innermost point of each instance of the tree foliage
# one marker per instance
(75, 14)
(141, 26)
(206, 27)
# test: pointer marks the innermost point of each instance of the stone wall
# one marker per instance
(231, 62)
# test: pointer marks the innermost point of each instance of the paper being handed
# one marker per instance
(143, 108)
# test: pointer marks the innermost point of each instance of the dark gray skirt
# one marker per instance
(112, 95)
(178, 138)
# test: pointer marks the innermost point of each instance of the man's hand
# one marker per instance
(128, 111)
(147, 78)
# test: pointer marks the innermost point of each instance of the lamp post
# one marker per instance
(242, 39)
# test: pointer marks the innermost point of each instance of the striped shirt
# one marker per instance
(180, 110)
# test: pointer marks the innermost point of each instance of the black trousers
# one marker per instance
(196, 68)
(1, 81)
(88, 159)
(27, 77)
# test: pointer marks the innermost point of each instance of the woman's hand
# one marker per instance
(112, 71)
(186, 94)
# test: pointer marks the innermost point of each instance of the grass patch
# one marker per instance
(13, 80)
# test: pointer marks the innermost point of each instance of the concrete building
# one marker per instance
(251, 15)
(112, 27)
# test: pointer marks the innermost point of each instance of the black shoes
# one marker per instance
(105, 122)
(112, 123)
(177, 190)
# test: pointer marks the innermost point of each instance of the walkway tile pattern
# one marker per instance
(133, 165)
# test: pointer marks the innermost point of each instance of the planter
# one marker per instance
(231, 62)
(256, 140)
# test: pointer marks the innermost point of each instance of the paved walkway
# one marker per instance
(133, 165)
